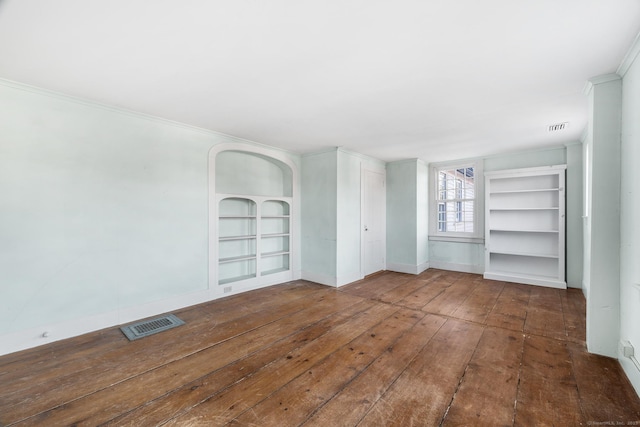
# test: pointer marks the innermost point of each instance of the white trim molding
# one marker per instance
(407, 268)
(630, 57)
(605, 78)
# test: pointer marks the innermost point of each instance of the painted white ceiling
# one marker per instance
(433, 79)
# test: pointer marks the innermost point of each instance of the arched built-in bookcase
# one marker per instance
(252, 207)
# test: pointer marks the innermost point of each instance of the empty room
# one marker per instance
(319, 213)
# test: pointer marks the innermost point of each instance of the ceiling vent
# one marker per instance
(558, 126)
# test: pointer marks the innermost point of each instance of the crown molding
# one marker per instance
(630, 57)
(219, 136)
(413, 160)
(597, 80)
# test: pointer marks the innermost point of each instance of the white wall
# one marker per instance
(103, 215)
(574, 212)
(407, 216)
(348, 217)
(251, 174)
(629, 218)
(319, 217)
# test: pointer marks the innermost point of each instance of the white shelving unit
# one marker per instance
(253, 240)
(525, 226)
(274, 240)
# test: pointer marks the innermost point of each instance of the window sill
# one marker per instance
(457, 239)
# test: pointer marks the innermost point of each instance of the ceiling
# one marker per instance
(432, 79)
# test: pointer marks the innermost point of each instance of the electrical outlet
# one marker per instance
(626, 349)
(227, 289)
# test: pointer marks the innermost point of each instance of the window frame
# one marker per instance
(435, 213)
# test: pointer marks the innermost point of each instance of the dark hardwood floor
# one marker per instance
(441, 348)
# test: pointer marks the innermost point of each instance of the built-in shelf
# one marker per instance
(270, 254)
(253, 239)
(504, 230)
(266, 236)
(236, 258)
(525, 226)
(552, 208)
(525, 254)
(247, 237)
(236, 279)
(536, 190)
(274, 271)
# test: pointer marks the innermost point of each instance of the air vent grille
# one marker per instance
(558, 126)
(152, 326)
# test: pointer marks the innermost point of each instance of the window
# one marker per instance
(455, 199)
(459, 197)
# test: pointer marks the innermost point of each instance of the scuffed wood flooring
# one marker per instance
(441, 348)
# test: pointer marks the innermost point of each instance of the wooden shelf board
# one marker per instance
(275, 253)
(536, 190)
(243, 237)
(525, 254)
(527, 279)
(275, 235)
(236, 258)
(551, 208)
(501, 230)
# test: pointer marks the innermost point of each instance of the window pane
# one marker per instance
(456, 200)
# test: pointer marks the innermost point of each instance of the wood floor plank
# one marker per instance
(296, 401)
(150, 353)
(152, 384)
(548, 393)
(575, 313)
(488, 389)
(423, 392)
(401, 292)
(239, 357)
(225, 406)
(447, 302)
(424, 294)
(482, 299)
(510, 310)
(90, 348)
(545, 317)
(355, 400)
(605, 395)
(376, 285)
(192, 393)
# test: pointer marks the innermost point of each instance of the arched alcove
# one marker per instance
(252, 192)
(241, 172)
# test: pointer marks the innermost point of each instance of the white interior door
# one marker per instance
(373, 222)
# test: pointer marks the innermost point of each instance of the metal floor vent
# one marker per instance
(145, 328)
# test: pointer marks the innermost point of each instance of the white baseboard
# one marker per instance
(345, 280)
(631, 369)
(407, 268)
(33, 337)
(322, 279)
(463, 268)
